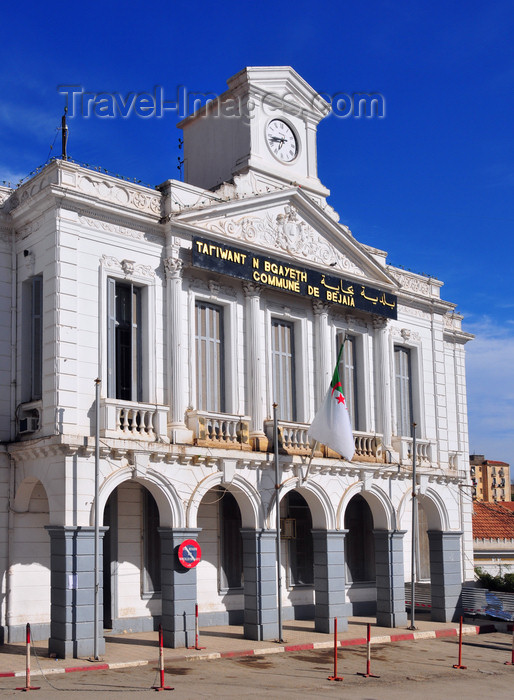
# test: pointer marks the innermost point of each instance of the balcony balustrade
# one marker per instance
(424, 451)
(133, 420)
(293, 440)
(220, 430)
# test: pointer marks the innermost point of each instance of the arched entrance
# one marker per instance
(374, 555)
(131, 559)
(297, 555)
(220, 572)
(28, 577)
(360, 556)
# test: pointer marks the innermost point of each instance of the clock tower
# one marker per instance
(263, 129)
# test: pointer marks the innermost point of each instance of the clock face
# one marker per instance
(281, 140)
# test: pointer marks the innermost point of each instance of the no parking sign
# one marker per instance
(189, 553)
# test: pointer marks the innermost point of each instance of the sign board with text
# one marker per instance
(281, 276)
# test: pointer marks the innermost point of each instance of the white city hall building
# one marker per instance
(199, 305)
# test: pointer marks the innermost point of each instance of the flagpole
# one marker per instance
(414, 532)
(277, 513)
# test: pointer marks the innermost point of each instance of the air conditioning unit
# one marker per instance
(28, 424)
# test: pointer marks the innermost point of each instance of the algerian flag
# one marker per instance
(331, 425)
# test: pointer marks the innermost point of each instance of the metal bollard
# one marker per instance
(27, 665)
(335, 677)
(459, 665)
(368, 673)
(511, 662)
(161, 665)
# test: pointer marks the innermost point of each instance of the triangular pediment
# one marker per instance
(289, 225)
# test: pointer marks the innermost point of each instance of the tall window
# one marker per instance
(32, 330)
(403, 380)
(124, 341)
(210, 380)
(348, 376)
(301, 550)
(282, 353)
(151, 545)
(231, 543)
(360, 542)
(423, 548)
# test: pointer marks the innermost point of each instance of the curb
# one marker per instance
(467, 630)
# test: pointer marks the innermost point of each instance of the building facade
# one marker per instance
(493, 537)
(490, 479)
(199, 306)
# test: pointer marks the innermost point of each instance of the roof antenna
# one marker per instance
(64, 130)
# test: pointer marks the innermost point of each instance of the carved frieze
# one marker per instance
(418, 313)
(119, 193)
(288, 233)
(413, 283)
(111, 227)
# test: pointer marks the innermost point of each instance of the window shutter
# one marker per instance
(37, 338)
(111, 338)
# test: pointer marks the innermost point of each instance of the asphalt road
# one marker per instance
(416, 669)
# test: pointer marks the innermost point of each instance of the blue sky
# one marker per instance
(432, 182)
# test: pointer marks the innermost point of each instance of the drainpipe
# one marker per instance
(12, 430)
(10, 536)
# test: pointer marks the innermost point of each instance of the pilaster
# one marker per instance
(383, 379)
(390, 578)
(445, 574)
(260, 584)
(178, 590)
(256, 366)
(321, 351)
(177, 394)
(72, 561)
(329, 580)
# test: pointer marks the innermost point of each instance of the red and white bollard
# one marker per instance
(27, 665)
(511, 662)
(335, 677)
(161, 665)
(459, 665)
(197, 632)
(368, 673)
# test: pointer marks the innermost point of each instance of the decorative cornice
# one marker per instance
(405, 334)
(412, 282)
(212, 288)
(129, 268)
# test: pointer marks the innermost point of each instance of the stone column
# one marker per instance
(329, 580)
(383, 380)
(321, 351)
(256, 366)
(72, 563)
(177, 389)
(178, 589)
(390, 578)
(445, 574)
(260, 583)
